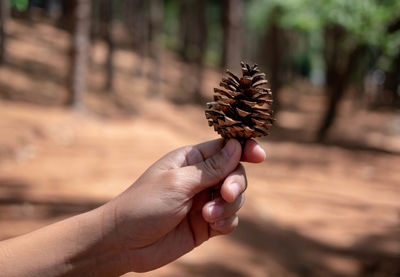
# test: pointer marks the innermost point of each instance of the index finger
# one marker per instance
(253, 152)
(190, 155)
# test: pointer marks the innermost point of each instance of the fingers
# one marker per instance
(208, 149)
(253, 153)
(220, 213)
(224, 226)
(234, 185)
(190, 155)
(218, 209)
(212, 170)
(204, 165)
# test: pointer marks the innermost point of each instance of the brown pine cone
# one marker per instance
(242, 106)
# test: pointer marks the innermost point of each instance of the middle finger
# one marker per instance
(218, 209)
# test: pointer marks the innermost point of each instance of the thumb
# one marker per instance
(212, 170)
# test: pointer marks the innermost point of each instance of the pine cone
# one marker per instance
(241, 109)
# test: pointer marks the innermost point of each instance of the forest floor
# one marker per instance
(312, 209)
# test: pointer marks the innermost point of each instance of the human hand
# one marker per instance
(168, 211)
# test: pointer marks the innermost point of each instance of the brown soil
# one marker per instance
(312, 209)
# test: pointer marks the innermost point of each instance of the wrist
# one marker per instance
(79, 246)
(102, 252)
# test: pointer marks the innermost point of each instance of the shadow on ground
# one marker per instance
(210, 270)
(18, 202)
(300, 255)
(302, 136)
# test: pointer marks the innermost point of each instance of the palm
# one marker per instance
(190, 231)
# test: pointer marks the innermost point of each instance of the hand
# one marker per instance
(168, 211)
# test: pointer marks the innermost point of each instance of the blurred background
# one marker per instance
(93, 92)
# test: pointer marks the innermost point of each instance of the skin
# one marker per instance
(165, 214)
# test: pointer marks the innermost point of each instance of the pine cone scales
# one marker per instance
(241, 107)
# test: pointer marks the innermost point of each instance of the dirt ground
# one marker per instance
(312, 209)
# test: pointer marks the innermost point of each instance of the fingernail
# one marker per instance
(229, 148)
(215, 211)
(235, 189)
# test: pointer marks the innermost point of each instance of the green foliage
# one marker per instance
(20, 5)
(364, 21)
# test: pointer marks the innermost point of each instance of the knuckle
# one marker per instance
(170, 177)
(184, 150)
(173, 185)
(170, 180)
(193, 155)
(213, 168)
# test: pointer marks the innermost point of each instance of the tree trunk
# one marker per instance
(66, 21)
(80, 42)
(338, 73)
(392, 81)
(106, 23)
(141, 27)
(156, 28)
(233, 17)
(274, 44)
(4, 14)
(334, 83)
(193, 46)
(184, 29)
(201, 42)
(335, 94)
